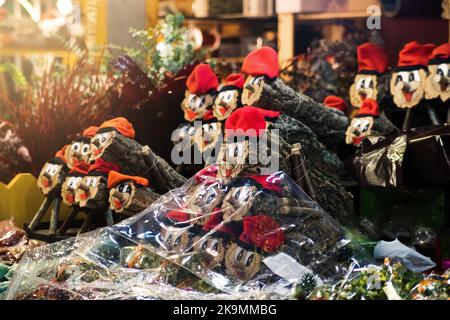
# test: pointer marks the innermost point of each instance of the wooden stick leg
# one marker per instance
(55, 216)
(407, 121)
(70, 219)
(432, 115)
(109, 217)
(86, 224)
(40, 213)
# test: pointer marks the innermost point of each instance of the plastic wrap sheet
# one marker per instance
(399, 159)
(248, 237)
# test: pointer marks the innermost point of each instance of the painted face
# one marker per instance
(87, 190)
(120, 196)
(174, 239)
(212, 251)
(253, 88)
(183, 138)
(358, 130)
(225, 103)
(68, 190)
(49, 177)
(240, 263)
(99, 143)
(237, 202)
(195, 106)
(77, 152)
(207, 138)
(202, 201)
(407, 87)
(438, 82)
(364, 87)
(231, 159)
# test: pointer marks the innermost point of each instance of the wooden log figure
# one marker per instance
(370, 82)
(263, 89)
(113, 148)
(229, 97)
(92, 191)
(409, 78)
(49, 182)
(202, 87)
(129, 195)
(438, 81)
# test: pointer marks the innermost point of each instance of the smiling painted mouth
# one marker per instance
(70, 198)
(97, 152)
(191, 115)
(117, 203)
(363, 96)
(408, 95)
(357, 140)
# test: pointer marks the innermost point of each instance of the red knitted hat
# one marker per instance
(262, 62)
(369, 107)
(177, 216)
(248, 118)
(372, 58)
(90, 132)
(335, 102)
(262, 232)
(114, 178)
(234, 81)
(202, 80)
(122, 125)
(414, 55)
(440, 54)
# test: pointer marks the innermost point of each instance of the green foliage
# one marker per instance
(16, 75)
(164, 49)
(306, 286)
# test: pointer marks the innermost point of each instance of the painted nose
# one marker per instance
(357, 133)
(223, 104)
(250, 88)
(406, 87)
(96, 143)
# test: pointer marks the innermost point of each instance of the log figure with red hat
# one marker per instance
(264, 89)
(229, 96)
(114, 148)
(438, 81)
(129, 195)
(408, 80)
(202, 86)
(371, 81)
(321, 174)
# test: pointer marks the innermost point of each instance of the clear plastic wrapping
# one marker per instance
(246, 237)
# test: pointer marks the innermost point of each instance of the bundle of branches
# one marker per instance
(328, 68)
(57, 106)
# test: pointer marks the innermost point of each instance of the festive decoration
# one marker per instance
(229, 96)
(438, 81)
(372, 64)
(202, 85)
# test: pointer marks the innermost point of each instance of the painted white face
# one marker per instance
(253, 88)
(225, 103)
(195, 106)
(68, 190)
(359, 129)
(407, 87)
(99, 143)
(120, 196)
(74, 182)
(240, 263)
(207, 138)
(49, 177)
(237, 202)
(202, 201)
(77, 152)
(438, 82)
(231, 158)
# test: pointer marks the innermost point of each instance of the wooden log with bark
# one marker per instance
(329, 125)
(128, 199)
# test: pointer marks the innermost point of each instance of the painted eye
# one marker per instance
(236, 152)
(399, 79)
(411, 77)
(249, 260)
(212, 127)
(237, 194)
(370, 84)
(76, 146)
(177, 240)
(247, 196)
(240, 254)
(169, 239)
(259, 82)
(202, 102)
(214, 246)
(103, 139)
(210, 198)
(85, 149)
(363, 83)
(191, 131)
(440, 72)
(203, 245)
